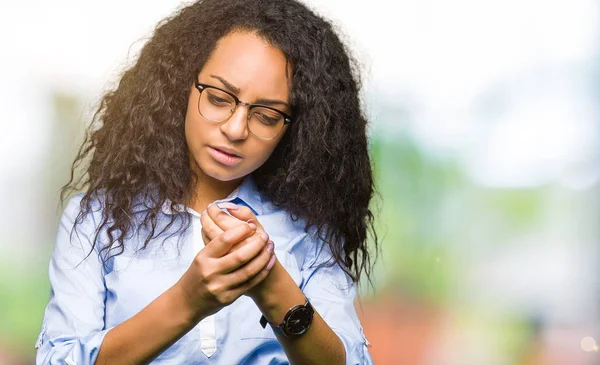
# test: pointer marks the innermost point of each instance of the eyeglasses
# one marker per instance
(218, 105)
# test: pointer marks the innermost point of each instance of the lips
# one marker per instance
(223, 157)
(228, 151)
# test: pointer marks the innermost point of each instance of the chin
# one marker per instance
(226, 178)
(223, 174)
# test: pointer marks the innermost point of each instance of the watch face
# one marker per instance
(299, 321)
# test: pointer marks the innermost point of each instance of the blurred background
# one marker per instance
(485, 137)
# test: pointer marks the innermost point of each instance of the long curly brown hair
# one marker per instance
(320, 171)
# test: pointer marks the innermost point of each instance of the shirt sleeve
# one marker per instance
(331, 292)
(73, 324)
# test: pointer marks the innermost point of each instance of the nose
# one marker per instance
(236, 127)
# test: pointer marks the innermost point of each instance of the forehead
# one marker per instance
(251, 64)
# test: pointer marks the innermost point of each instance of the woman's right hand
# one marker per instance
(217, 277)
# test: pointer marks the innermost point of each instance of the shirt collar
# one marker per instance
(245, 194)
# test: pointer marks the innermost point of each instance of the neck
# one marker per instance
(209, 189)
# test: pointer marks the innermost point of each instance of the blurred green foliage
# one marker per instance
(412, 191)
(24, 292)
(429, 212)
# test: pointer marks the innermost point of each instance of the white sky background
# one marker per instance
(437, 59)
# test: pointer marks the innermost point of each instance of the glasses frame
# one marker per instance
(201, 87)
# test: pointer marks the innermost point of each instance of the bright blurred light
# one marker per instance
(588, 344)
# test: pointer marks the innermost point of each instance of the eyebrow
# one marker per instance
(236, 91)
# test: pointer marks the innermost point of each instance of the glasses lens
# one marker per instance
(264, 122)
(215, 105)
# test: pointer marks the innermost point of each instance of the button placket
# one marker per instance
(206, 327)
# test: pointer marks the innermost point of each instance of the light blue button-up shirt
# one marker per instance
(87, 300)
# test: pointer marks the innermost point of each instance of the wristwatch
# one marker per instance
(297, 320)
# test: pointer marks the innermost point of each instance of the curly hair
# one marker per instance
(319, 172)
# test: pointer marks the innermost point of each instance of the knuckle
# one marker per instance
(240, 232)
(221, 299)
(213, 288)
(256, 246)
(245, 229)
(253, 247)
(246, 273)
(260, 241)
(207, 280)
(227, 237)
(239, 258)
(236, 247)
(209, 233)
(248, 231)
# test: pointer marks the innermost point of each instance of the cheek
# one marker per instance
(194, 130)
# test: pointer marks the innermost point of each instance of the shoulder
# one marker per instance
(85, 215)
(76, 206)
(95, 208)
(75, 233)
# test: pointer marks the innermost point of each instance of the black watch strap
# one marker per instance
(263, 321)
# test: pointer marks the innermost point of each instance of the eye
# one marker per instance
(269, 118)
(218, 100)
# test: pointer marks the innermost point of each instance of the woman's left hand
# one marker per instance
(215, 221)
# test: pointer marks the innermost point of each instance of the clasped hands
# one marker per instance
(238, 255)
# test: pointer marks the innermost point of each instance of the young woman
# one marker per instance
(226, 206)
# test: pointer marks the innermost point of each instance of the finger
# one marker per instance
(247, 251)
(215, 221)
(220, 217)
(245, 214)
(221, 244)
(242, 212)
(209, 229)
(250, 269)
(244, 287)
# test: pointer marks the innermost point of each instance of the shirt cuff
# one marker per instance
(68, 350)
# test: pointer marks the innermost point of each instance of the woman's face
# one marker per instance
(251, 69)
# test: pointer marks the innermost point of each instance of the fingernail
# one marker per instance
(253, 226)
(264, 236)
(249, 221)
(271, 262)
(228, 205)
(270, 247)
